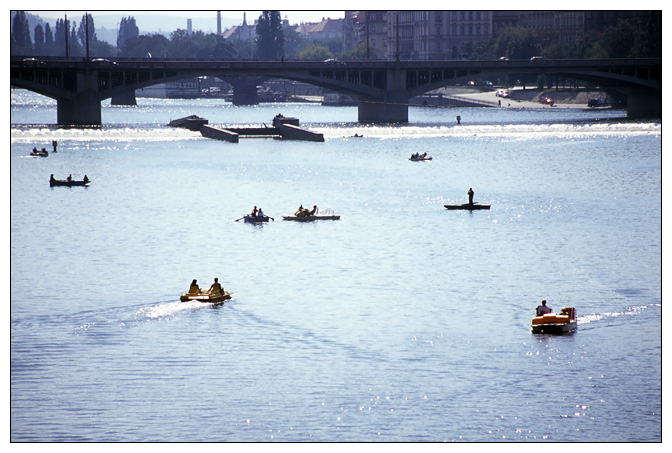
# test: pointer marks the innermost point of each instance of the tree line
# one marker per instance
(275, 41)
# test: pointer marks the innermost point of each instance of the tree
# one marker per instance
(315, 52)
(270, 38)
(127, 30)
(82, 30)
(359, 53)
(20, 37)
(39, 40)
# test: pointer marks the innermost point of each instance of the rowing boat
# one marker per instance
(256, 219)
(466, 206)
(418, 159)
(68, 183)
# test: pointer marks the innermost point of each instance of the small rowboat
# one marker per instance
(418, 159)
(39, 153)
(256, 219)
(552, 323)
(217, 297)
(466, 206)
(310, 218)
(70, 183)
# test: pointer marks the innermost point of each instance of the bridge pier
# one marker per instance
(391, 109)
(244, 90)
(83, 110)
(645, 105)
(127, 98)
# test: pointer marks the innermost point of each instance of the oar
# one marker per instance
(240, 218)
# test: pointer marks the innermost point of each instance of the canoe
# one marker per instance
(466, 206)
(310, 218)
(58, 182)
(552, 323)
(218, 297)
(255, 219)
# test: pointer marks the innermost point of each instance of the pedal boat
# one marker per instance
(217, 297)
(552, 323)
(310, 218)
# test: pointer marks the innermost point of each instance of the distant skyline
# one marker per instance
(294, 17)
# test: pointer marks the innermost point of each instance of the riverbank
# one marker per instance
(526, 98)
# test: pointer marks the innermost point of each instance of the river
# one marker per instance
(400, 322)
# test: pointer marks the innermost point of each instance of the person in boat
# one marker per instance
(471, 196)
(260, 213)
(414, 156)
(254, 212)
(86, 178)
(423, 155)
(543, 308)
(193, 288)
(51, 178)
(301, 211)
(312, 211)
(215, 287)
(69, 178)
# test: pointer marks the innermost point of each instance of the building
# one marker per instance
(366, 27)
(321, 31)
(436, 35)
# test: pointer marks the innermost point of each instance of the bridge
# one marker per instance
(382, 88)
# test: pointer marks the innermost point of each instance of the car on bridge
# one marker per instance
(334, 61)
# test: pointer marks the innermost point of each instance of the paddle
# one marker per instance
(239, 219)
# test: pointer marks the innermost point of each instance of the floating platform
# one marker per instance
(284, 128)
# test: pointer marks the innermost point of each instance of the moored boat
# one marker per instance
(466, 206)
(552, 323)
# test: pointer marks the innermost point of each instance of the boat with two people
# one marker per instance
(470, 206)
(214, 295)
(417, 157)
(39, 152)
(257, 216)
(547, 322)
(308, 215)
(69, 182)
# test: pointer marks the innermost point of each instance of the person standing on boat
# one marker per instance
(471, 196)
(215, 287)
(543, 308)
